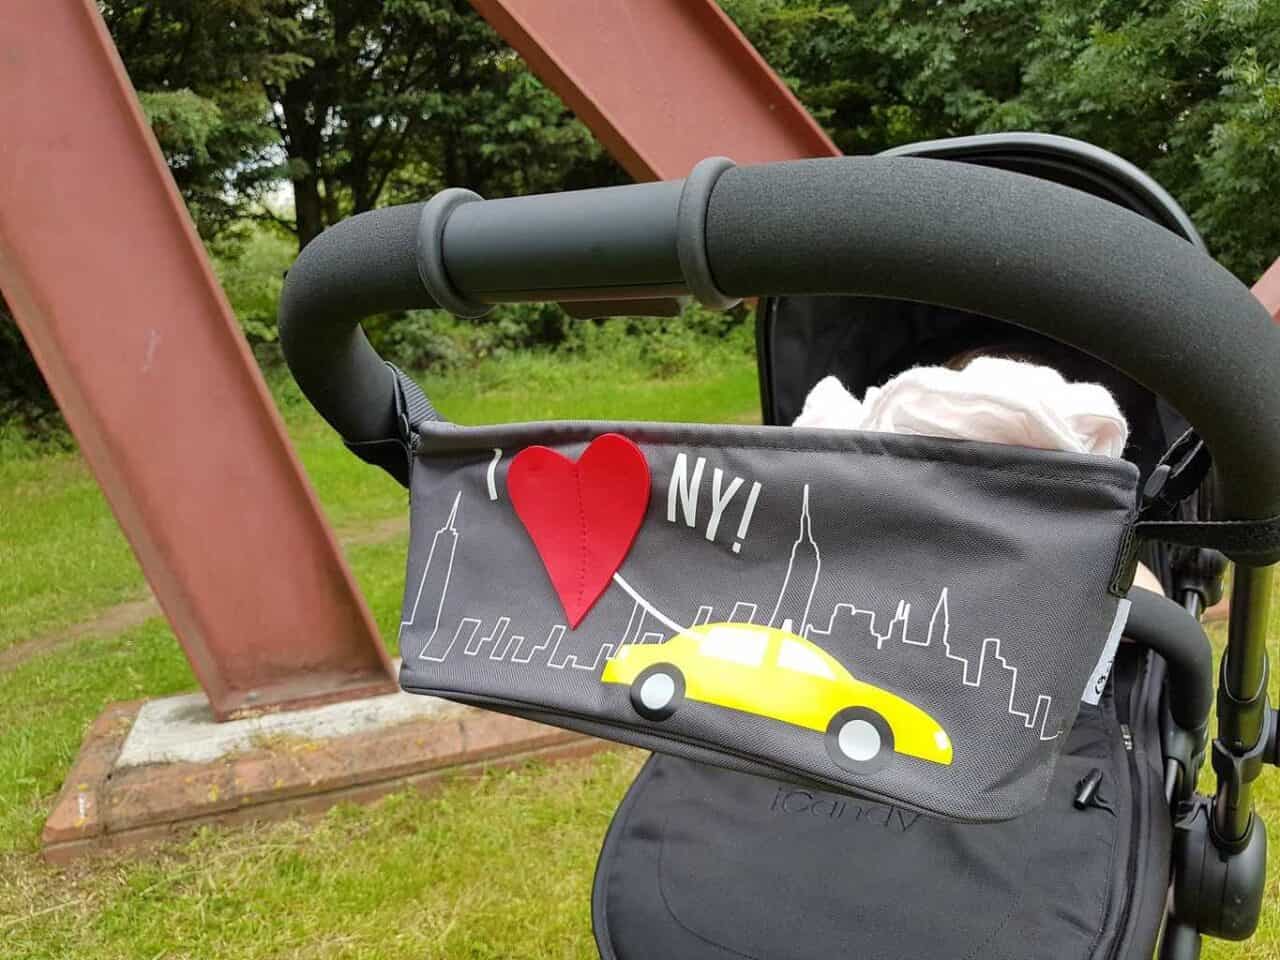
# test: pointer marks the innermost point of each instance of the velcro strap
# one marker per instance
(1252, 542)
(1177, 476)
(412, 405)
(395, 454)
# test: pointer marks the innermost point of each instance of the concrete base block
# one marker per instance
(154, 770)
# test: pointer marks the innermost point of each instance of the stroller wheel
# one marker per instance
(859, 740)
(658, 691)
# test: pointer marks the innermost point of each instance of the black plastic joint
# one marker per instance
(431, 268)
(1154, 487)
(1243, 766)
(1231, 705)
(691, 233)
(1237, 769)
(1177, 475)
(1185, 747)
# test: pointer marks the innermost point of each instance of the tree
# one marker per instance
(402, 97)
(878, 73)
(199, 68)
(1189, 90)
(25, 402)
(352, 102)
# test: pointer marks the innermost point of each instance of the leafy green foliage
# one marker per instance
(199, 69)
(353, 102)
(252, 279)
(657, 347)
(356, 103)
(1189, 90)
(27, 410)
(404, 97)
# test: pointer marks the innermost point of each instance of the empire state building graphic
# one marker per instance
(791, 612)
(435, 577)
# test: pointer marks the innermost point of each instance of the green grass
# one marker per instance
(61, 554)
(496, 868)
(64, 557)
(499, 868)
(379, 569)
(48, 701)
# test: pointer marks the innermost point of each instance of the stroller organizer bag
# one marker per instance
(911, 619)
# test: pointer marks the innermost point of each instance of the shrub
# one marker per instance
(252, 275)
(27, 410)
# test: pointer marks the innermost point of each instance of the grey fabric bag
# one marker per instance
(909, 619)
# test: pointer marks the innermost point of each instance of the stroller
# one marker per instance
(957, 797)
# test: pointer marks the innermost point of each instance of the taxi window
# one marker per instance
(746, 647)
(802, 659)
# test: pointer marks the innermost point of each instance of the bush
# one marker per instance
(663, 346)
(252, 275)
(434, 339)
(28, 413)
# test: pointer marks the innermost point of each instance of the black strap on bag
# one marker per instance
(394, 455)
(1176, 477)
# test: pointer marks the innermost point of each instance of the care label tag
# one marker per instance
(1098, 678)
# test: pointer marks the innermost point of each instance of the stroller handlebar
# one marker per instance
(1015, 248)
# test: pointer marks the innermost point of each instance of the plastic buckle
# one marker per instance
(1178, 474)
(1155, 484)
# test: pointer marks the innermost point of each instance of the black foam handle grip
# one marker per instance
(1055, 260)
(1019, 249)
(615, 243)
(603, 244)
(363, 266)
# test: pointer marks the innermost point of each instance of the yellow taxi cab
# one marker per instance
(773, 673)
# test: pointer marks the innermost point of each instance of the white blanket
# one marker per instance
(993, 399)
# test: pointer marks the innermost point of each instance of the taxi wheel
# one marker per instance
(658, 691)
(859, 740)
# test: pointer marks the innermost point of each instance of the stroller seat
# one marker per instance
(707, 864)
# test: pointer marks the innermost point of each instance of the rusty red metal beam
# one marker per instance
(1267, 289)
(111, 287)
(661, 83)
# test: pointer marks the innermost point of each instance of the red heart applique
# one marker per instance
(582, 517)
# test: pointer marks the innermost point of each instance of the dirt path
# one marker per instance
(134, 613)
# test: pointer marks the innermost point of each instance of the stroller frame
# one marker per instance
(1218, 895)
(855, 226)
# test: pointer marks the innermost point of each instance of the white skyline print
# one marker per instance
(647, 623)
